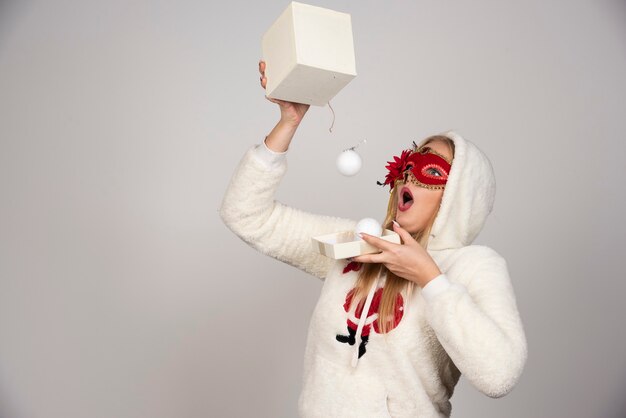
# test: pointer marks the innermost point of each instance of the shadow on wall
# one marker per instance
(616, 407)
(5, 407)
(10, 10)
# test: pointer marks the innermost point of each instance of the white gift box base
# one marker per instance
(309, 54)
(344, 244)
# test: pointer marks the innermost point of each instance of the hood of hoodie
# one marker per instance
(466, 201)
(467, 198)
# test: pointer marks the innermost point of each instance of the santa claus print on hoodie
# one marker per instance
(371, 320)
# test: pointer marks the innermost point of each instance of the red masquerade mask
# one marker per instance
(424, 167)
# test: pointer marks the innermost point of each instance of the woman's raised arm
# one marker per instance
(250, 210)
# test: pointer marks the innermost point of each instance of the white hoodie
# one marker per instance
(464, 321)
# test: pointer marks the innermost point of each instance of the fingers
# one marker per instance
(377, 242)
(262, 79)
(277, 101)
(369, 258)
(404, 234)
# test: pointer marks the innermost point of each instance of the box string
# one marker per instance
(331, 126)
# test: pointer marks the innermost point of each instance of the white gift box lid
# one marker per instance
(309, 54)
(344, 244)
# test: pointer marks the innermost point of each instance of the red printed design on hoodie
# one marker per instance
(371, 321)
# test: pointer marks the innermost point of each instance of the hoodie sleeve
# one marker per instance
(479, 326)
(250, 210)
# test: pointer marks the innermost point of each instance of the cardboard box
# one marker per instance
(344, 244)
(309, 54)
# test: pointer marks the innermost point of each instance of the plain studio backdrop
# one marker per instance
(122, 293)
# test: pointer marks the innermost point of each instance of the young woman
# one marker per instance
(393, 331)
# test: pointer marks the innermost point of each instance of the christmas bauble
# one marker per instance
(369, 226)
(349, 162)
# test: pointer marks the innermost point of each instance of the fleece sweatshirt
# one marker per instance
(463, 322)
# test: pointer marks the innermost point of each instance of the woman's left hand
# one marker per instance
(408, 260)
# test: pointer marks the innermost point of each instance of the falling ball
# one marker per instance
(349, 162)
(369, 226)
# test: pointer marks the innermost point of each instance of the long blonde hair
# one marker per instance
(393, 284)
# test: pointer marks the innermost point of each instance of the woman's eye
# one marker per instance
(434, 171)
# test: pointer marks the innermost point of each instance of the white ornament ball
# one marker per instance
(369, 226)
(349, 162)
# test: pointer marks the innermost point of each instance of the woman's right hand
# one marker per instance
(290, 112)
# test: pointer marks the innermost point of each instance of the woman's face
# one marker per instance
(425, 201)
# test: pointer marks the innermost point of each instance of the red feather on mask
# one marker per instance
(396, 168)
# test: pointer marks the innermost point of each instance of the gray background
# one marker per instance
(122, 294)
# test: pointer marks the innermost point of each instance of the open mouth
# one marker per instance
(406, 199)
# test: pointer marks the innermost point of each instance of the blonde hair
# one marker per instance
(394, 284)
